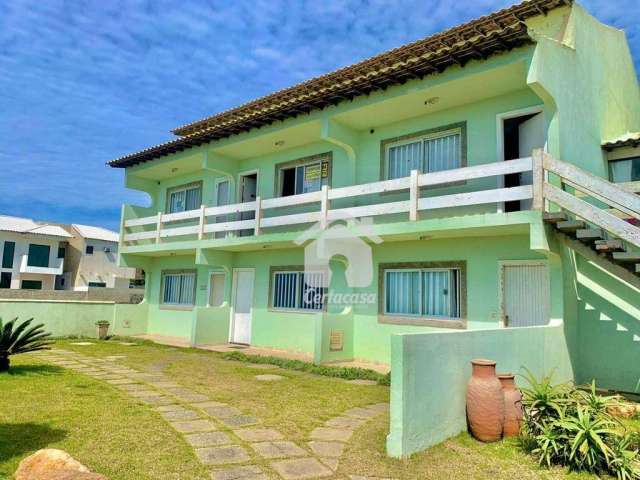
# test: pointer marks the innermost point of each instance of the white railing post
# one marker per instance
(538, 179)
(324, 207)
(158, 227)
(258, 216)
(202, 222)
(414, 195)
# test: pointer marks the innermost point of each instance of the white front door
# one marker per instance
(242, 305)
(525, 294)
(531, 135)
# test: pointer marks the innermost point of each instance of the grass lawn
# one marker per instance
(46, 406)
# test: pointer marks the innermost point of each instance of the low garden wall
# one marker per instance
(430, 371)
(77, 318)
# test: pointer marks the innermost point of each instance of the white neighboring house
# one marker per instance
(92, 260)
(31, 253)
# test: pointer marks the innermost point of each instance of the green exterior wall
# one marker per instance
(77, 318)
(428, 389)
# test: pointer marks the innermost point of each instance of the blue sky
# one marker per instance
(84, 82)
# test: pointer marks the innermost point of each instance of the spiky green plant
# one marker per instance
(543, 401)
(20, 339)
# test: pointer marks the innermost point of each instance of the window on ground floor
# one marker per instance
(5, 280)
(31, 285)
(97, 284)
(179, 288)
(423, 290)
(295, 289)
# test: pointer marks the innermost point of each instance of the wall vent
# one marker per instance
(336, 340)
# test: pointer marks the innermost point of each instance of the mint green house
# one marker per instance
(478, 180)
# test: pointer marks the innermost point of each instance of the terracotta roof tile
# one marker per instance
(478, 39)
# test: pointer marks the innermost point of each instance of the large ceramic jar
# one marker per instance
(485, 402)
(512, 405)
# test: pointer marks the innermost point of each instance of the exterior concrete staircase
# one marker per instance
(597, 218)
(597, 239)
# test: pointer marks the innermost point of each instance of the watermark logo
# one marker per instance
(350, 239)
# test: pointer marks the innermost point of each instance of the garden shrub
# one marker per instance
(564, 425)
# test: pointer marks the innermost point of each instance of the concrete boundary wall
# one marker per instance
(77, 318)
(430, 372)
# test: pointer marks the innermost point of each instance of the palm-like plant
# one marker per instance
(20, 339)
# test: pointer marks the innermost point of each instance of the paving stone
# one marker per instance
(257, 434)
(164, 384)
(222, 455)
(222, 412)
(362, 382)
(180, 415)
(127, 344)
(82, 344)
(332, 463)
(327, 449)
(240, 421)
(267, 377)
(143, 376)
(169, 408)
(301, 468)
(360, 477)
(156, 400)
(132, 387)
(121, 381)
(193, 426)
(114, 357)
(68, 363)
(246, 472)
(278, 449)
(331, 434)
(360, 412)
(207, 404)
(207, 439)
(144, 393)
(345, 422)
(194, 397)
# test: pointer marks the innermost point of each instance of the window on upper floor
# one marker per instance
(184, 198)
(61, 252)
(430, 151)
(297, 290)
(88, 250)
(303, 175)
(179, 288)
(7, 254)
(38, 255)
(625, 170)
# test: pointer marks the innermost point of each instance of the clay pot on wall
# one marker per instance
(485, 402)
(512, 405)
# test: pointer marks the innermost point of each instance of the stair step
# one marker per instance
(554, 217)
(605, 246)
(626, 257)
(589, 234)
(570, 225)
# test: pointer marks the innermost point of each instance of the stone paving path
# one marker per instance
(224, 438)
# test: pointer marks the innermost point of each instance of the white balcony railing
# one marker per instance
(206, 216)
(54, 269)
